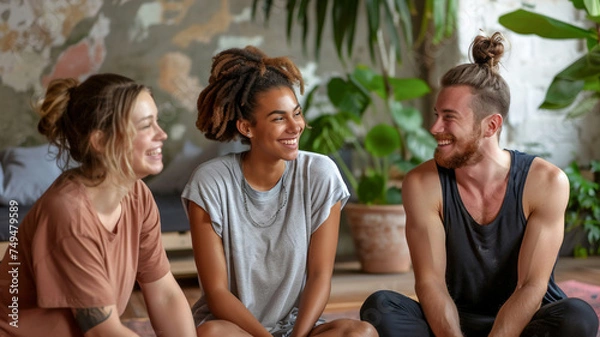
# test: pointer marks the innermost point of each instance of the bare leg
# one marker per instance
(344, 328)
(220, 328)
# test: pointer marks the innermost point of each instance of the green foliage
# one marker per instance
(391, 20)
(583, 209)
(583, 75)
(402, 143)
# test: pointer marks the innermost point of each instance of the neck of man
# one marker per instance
(491, 167)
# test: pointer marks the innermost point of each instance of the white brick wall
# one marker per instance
(529, 66)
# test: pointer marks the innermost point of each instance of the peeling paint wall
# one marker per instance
(166, 44)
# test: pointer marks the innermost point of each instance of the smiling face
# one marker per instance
(455, 128)
(149, 137)
(278, 125)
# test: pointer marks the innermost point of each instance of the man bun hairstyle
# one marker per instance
(492, 94)
(236, 77)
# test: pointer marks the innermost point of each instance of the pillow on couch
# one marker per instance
(26, 173)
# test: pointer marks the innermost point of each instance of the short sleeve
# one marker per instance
(327, 188)
(72, 275)
(153, 262)
(205, 189)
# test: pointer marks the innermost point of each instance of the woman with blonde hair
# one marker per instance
(96, 230)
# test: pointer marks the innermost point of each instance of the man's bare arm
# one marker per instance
(545, 198)
(422, 197)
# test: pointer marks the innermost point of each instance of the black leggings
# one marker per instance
(394, 314)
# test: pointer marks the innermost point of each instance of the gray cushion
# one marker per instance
(27, 173)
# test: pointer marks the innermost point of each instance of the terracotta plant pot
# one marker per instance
(379, 237)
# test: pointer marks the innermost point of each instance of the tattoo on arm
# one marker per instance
(87, 318)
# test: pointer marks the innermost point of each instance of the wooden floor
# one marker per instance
(350, 287)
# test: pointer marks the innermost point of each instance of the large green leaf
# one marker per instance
(579, 4)
(408, 88)
(420, 144)
(402, 88)
(328, 134)
(592, 7)
(584, 67)
(583, 107)
(367, 78)
(370, 188)
(592, 84)
(348, 97)
(393, 195)
(594, 19)
(567, 84)
(382, 140)
(561, 93)
(525, 22)
(407, 118)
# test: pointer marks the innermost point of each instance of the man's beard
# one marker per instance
(459, 159)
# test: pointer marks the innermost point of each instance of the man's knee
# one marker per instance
(380, 302)
(567, 317)
(387, 303)
(579, 318)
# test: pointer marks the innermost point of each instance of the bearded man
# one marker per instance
(484, 224)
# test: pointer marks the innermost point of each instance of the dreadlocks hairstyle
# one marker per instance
(236, 77)
(492, 94)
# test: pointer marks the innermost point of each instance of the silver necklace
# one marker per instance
(282, 203)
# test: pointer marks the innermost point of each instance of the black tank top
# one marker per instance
(481, 271)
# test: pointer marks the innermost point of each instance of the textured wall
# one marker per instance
(166, 44)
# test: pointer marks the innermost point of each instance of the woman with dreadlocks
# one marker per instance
(264, 222)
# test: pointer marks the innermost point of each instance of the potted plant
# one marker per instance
(384, 146)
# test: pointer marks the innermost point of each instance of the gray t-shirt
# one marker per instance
(266, 235)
